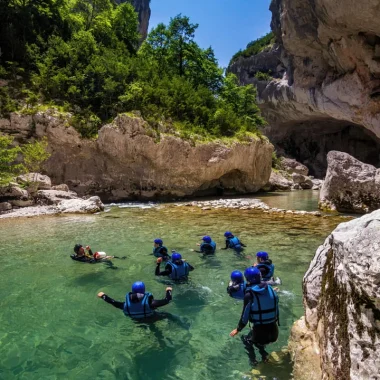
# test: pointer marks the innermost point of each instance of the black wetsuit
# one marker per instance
(134, 297)
(228, 244)
(168, 270)
(260, 335)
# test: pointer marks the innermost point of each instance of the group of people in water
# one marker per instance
(254, 288)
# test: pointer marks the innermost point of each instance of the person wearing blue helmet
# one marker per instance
(138, 304)
(261, 309)
(159, 250)
(236, 288)
(177, 269)
(233, 242)
(208, 246)
(266, 267)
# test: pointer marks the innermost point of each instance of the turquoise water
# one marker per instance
(306, 200)
(52, 325)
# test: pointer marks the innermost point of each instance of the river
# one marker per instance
(53, 326)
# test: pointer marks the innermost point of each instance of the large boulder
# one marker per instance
(81, 206)
(303, 181)
(36, 181)
(5, 206)
(342, 304)
(12, 191)
(292, 166)
(54, 197)
(277, 182)
(350, 185)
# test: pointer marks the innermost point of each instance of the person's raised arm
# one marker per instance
(117, 304)
(158, 303)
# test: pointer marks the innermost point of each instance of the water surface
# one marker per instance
(52, 325)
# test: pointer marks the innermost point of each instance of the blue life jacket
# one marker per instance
(234, 243)
(238, 294)
(267, 272)
(138, 310)
(264, 307)
(158, 251)
(179, 272)
(208, 248)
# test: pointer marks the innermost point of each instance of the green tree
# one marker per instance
(35, 154)
(9, 168)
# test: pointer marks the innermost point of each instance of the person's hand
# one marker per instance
(169, 289)
(276, 289)
(234, 332)
(100, 294)
(198, 245)
(159, 260)
(87, 247)
(254, 265)
(183, 259)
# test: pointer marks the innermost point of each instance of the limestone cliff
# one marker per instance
(143, 9)
(339, 337)
(129, 160)
(329, 95)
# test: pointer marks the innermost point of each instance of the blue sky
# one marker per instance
(226, 25)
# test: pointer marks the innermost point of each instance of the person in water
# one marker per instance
(138, 303)
(266, 267)
(237, 286)
(159, 250)
(89, 256)
(207, 247)
(176, 269)
(233, 242)
(261, 309)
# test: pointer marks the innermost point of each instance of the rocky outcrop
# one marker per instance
(35, 180)
(142, 7)
(329, 96)
(130, 160)
(350, 185)
(292, 166)
(342, 304)
(278, 181)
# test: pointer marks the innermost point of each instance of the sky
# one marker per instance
(225, 25)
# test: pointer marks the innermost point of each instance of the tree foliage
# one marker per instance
(35, 154)
(85, 55)
(9, 168)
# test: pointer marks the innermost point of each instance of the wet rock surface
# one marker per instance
(350, 185)
(342, 303)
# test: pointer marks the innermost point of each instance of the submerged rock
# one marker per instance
(341, 333)
(350, 185)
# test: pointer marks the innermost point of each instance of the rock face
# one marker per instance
(130, 161)
(329, 96)
(350, 185)
(342, 304)
(142, 7)
(278, 182)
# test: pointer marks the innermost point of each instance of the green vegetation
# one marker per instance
(255, 47)
(15, 160)
(263, 76)
(84, 57)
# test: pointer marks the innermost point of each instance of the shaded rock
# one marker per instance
(277, 182)
(317, 184)
(301, 180)
(292, 166)
(5, 206)
(54, 197)
(13, 191)
(85, 206)
(350, 185)
(22, 202)
(342, 301)
(36, 181)
(62, 187)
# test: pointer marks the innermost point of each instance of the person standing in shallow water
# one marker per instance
(233, 242)
(177, 269)
(138, 303)
(159, 250)
(261, 309)
(207, 247)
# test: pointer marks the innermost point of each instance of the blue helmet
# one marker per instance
(158, 241)
(206, 239)
(228, 234)
(138, 287)
(262, 255)
(253, 275)
(176, 256)
(237, 276)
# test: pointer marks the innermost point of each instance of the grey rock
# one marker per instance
(36, 181)
(54, 197)
(81, 206)
(292, 166)
(277, 182)
(22, 202)
(13, 191)
(342, 303)
(62, 187)
(350, 185)
(5, 206)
